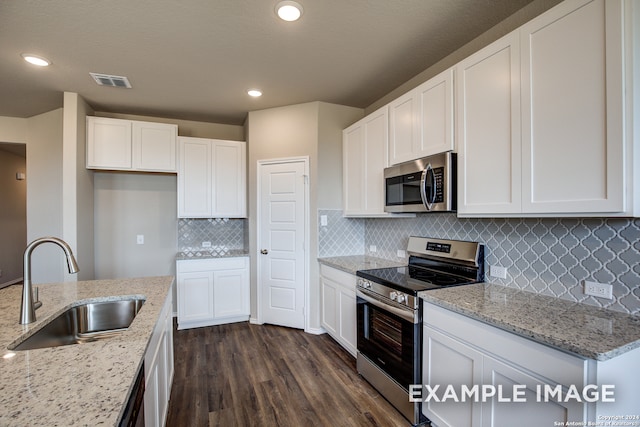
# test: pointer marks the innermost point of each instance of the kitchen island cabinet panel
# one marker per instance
(212, 291)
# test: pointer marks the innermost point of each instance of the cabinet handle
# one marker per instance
(264, 251)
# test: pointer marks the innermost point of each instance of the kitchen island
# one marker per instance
(80, 384)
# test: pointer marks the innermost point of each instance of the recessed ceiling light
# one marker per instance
(254, 92)
(36, 60)
(289, 10)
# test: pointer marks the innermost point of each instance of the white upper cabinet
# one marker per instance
(116, 144)
(421, 121)
(365, 148)
(564, 151)
(488, 129)
(572, 130)
(154, 146)
(211, 178)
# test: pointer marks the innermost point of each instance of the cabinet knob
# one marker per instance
(264, 251)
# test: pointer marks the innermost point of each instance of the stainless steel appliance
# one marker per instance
(389, 314)
(423, 185)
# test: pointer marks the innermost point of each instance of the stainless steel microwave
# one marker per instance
(424, 185)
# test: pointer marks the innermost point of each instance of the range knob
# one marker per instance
(366, 284)
(393, 295)
(401, 298)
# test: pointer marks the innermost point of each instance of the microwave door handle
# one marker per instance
(427, 174)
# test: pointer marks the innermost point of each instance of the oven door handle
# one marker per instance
(405, 313)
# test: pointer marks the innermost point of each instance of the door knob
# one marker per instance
(264, 251)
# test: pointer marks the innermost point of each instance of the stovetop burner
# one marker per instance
(433, 264)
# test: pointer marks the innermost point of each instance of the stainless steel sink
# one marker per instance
(84, 323)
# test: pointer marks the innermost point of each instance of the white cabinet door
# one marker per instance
(108, 143)
(211, 178)
(229, 179)
(435, 115)
(212, 291)
(421, 121)
(231, 293)
(348, 318)
(529, 413)
(338, 306)
(154, 146)
(353, 202)
(365, 155)
(488, 129)
(329, 306)
(447, 361)
(195, 296)
(572, 128)
(403, 134)
(194, 178)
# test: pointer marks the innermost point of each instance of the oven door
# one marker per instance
(389, 336)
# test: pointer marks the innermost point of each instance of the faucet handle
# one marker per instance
(36, 300)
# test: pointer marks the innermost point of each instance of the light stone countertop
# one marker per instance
(81, 384)
(584, 330)
(353, 263)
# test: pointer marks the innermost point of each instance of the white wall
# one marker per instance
(313, 129)
(77, 190)
(128, 204)
(44, 193)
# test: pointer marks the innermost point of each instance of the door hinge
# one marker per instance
(306, 179)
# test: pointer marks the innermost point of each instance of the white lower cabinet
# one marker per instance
(461, 352)
(339, 306)
(158, 365)
(212, 291)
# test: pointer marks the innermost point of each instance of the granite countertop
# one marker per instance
(581, 329)
(353, 263)
(82, 384)
(206, 254)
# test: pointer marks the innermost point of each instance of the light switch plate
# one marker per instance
(140, 239)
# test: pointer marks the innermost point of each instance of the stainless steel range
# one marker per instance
(390, 314)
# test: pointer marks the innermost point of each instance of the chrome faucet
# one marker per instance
(29, 306)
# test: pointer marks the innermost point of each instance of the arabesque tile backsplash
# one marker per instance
(224, 234)
(551, 256)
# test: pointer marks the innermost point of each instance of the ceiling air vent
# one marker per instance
(113, 81)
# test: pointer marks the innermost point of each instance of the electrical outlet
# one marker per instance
(497, 271)
(140, 239)
(206, 244)
(601, 290)
(373, 248)
(401, 253)
(323, 220)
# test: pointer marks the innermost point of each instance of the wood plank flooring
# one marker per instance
(262, 375)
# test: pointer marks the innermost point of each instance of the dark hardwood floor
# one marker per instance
(262, 375)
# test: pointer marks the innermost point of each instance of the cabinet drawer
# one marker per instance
(338, 276)
(193, 265)
(556, 365)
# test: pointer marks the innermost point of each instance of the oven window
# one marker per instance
(387, 332)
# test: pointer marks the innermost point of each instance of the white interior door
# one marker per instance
(281, 221)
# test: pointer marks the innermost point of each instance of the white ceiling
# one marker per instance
(195, 59)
